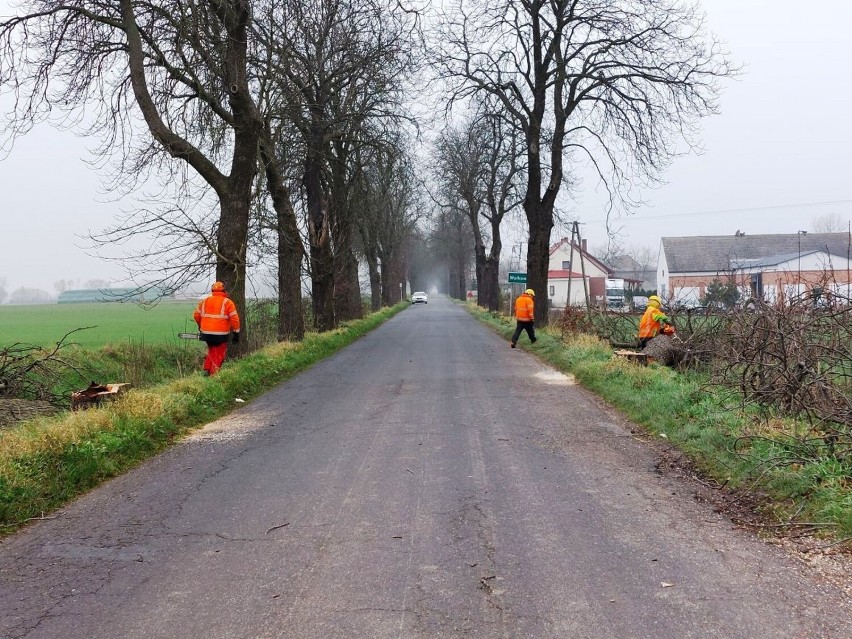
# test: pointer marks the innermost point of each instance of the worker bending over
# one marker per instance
(652, 321)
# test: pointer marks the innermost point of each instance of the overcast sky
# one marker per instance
(779, 154)
(777, 157)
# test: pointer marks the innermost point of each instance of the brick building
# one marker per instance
(768, 267)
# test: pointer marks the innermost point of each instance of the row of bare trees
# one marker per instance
(477, 165)
(262, 131)
(618, 85)
(273, 130)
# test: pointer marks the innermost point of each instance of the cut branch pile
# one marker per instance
(29, 372)
(794, 361)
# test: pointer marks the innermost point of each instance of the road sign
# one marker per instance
(517, 278)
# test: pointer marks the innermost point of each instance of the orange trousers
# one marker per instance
(215, 357)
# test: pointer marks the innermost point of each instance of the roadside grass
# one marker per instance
(48, 461)
(730, 445)
(136, 363)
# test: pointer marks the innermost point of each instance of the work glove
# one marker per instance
(235, 338)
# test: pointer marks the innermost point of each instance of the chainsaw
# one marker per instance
(189, 335)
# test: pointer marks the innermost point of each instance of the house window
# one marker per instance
(552, 291)
(566, 265)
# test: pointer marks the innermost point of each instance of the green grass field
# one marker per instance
(110, 322)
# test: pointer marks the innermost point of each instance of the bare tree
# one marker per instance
(618, 83)
(183, 65)
(451, 241)
(337, 65)
(829, 223)
(387, 198)
(478, 164)
(30, 295)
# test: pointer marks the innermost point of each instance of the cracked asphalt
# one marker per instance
(427, 481)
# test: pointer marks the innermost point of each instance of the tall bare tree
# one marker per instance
(338, 65)
(388, 212)
(182, 65)
(618, 82)
(478, 165)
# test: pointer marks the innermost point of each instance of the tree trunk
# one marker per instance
(231, 254)
(538, 258)
(460, 284)
(291, 317)
(489, 287)
(375, 283)
(385, 274)
(457, 287)
(347, 290)
(319, 232)
(491, 275)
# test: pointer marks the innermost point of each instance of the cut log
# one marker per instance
(632, 356)
(95, 394)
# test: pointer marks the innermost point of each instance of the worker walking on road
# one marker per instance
(217, 318)
(652, 321)
(525, 316)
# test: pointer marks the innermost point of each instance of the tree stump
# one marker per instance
(665, 350)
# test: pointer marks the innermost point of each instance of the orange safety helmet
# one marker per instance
(217, 286)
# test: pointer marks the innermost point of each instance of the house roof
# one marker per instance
(634, 277)
(560, 274)
(565, 242)
(772, 260)
(624, 263)
(716, 253)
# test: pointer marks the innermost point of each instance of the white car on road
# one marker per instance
(419, 296)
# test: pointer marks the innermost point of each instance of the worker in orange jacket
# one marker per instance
(653, 321)
(217, 318)
(525, 316)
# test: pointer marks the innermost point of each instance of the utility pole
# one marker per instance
(575, 237)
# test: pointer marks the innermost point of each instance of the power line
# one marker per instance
(723, 211)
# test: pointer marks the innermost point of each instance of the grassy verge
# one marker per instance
(46, 462)
(732, 446)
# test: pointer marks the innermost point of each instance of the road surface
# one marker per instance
(427, 481)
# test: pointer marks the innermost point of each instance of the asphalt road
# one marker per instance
(428, 481)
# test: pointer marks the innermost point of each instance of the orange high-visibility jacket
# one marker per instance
(525, 308)
(651, 322)
(217, 315)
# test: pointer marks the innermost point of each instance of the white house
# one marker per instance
(563, 267)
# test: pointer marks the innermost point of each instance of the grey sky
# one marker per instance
(781, 146)
(783, 138)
